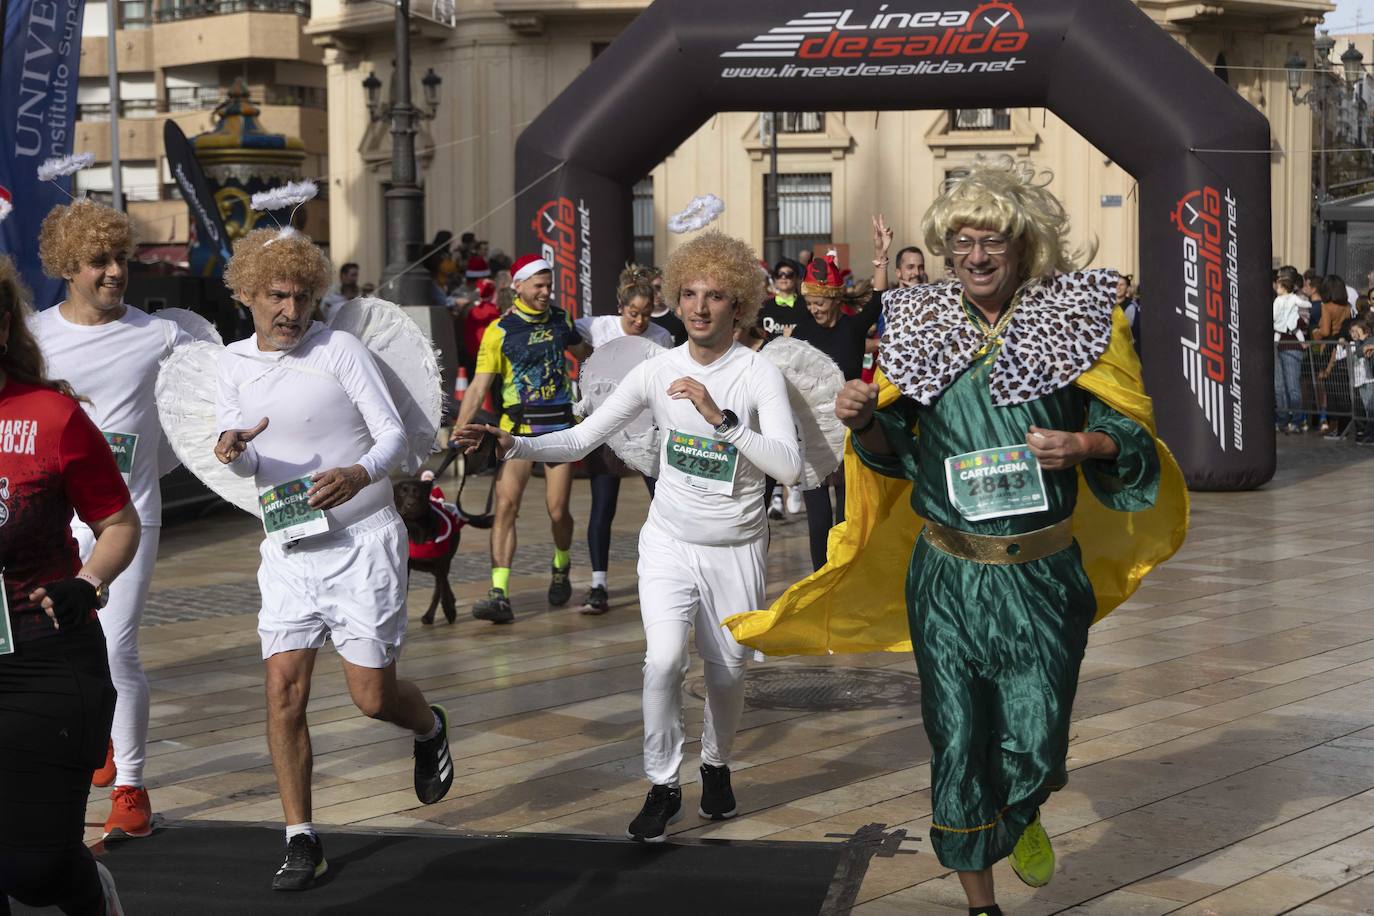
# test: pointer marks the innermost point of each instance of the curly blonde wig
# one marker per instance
(264, 255)
(723, 260)
(1003, 195)
(73, 234)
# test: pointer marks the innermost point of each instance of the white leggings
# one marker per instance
(682, 584)
(120, 620)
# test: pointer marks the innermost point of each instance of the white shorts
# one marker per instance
(701, 585)
(349, 585)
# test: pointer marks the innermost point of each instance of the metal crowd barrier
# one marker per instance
(1324, 386)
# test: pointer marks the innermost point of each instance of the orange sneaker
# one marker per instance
(105, 776)
(131, 814)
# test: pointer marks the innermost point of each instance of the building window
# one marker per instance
(299, 96)
(192, 98)
(172, 10)
(598, 47)
(804, 206)
(135, 14)
(802, 122)
(643, 210)
(980, 119)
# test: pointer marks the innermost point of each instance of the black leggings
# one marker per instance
(56, 704)
(821, 516)
(605, 495)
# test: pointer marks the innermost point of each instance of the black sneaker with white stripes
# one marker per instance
(433, 765)
(304, 864)
(717, 798)
(662, 806)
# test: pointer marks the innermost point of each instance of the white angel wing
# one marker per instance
(638, 443)
(199, 328)
(185, 390)
(813, 383)
(405, 355)
(192, 323)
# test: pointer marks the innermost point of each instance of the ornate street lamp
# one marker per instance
(405, 201)
(1352, 61)
(1296, 67)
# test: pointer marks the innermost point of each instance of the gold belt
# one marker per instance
(1002, 551)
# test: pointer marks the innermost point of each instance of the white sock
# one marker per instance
(598, 578)
(297, 829)
(433, 732)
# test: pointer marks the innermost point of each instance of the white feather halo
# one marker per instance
(699, 214)
(60, 167)
(291, 194)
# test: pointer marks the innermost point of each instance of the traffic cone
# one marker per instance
(460, 384)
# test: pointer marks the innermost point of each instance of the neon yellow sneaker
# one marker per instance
(1033, 857)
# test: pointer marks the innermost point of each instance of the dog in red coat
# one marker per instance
(433, 528)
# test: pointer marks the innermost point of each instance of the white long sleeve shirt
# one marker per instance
(710, 488)
(327, 407)
(115, 366)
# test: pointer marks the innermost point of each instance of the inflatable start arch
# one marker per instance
(1101, 65)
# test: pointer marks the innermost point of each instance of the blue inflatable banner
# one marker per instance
(39, 60)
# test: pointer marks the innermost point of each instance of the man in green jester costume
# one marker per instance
(1008, 451)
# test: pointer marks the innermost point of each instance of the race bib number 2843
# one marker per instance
(995, 482)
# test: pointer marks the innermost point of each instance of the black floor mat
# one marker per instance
(206, 870)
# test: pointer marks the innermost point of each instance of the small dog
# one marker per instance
(433, 528)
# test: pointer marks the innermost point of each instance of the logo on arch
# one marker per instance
(889, 35)
(1206, 220)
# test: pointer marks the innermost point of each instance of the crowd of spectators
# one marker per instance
(1324, 343)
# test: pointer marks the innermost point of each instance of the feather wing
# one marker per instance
(405, 355)
(813, 382)
(185, 391)
(637, 444)
(192, 323)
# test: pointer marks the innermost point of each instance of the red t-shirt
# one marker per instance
(53, 462)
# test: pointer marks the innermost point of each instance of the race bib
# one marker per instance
(996, 482)
(700, 462)
(6, 632)
(123, 446)
(287, 515)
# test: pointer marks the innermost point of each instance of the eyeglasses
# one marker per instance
(786, 275)
(993, 244)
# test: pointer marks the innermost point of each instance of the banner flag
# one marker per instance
(39, 60)
(195, 190)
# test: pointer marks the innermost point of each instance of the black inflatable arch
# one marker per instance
(1101, 65)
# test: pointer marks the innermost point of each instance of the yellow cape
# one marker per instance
(857, 601)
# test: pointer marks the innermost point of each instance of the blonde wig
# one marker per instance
(73, 234)
(265, 255)
(1003, 195)
(728, 262)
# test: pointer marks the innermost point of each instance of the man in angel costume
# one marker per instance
(524, 353)
(1009, 418)
(304, 411)
(726, 422)
(110, 353)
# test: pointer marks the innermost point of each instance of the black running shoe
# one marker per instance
(596, 602)
(717, 798)
(433, 765)
(303, 866)
(662, 806)
(560, 586)
(495, 607)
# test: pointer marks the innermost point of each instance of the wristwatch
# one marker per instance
(102, 591)
(728, 421)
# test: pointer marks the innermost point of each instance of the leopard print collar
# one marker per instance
(1060, 329)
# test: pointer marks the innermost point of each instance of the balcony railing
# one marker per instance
(198, 9)
(128, 108)
(980, 119)
(192, 98)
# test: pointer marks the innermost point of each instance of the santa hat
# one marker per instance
(527, 266)
(486, 290)
(477, 267)
(6, 203)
